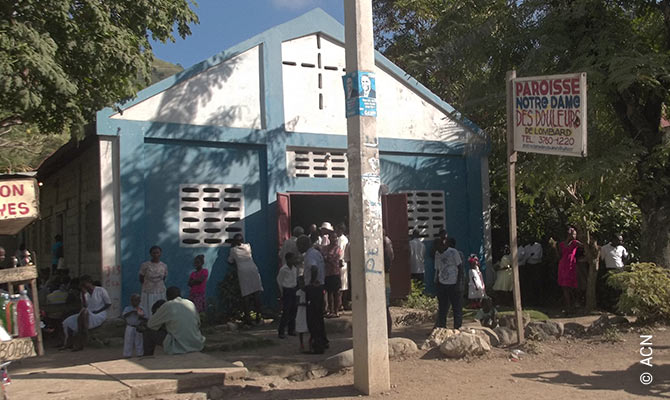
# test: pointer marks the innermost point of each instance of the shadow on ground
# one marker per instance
(627, 380)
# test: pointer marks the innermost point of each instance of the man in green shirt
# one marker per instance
(175, 326)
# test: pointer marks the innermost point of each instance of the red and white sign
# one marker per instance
(550, 114)
(18, 204)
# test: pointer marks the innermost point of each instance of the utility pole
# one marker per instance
(511, 179)
(370, 337)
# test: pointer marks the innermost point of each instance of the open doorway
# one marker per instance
(304, 209)
(307, 209)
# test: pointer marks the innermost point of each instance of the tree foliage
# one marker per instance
(63, 60)
(462, 50)
(24, 147)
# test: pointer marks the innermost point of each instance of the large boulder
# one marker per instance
(437, 336)
(486, 333)
(506, 336)
(574, 329)
(464, 344)
(509, 320)
(339, 361)
(599, 325)
(543, 330)
(401, 347)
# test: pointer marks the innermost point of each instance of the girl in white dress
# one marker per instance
(476, 288)
(301, 315)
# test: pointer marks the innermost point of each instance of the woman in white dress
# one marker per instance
(248, 276)
(152, 278)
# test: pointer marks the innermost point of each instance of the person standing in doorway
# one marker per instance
(152, 277)
(417, 252)
(313, 258)
(567, 269)
(448, 279)
(332, 256)
(287, 279)
(290, 246)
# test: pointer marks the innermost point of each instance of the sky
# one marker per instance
(224, 23)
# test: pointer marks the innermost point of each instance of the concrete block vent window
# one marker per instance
(317, 163)
(426, 212)
(210, 215)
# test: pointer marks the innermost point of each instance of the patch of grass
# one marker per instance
(532, 347)
(611, 335)
(418, 299)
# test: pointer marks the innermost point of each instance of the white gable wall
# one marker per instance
(227, 94)
(402, 112)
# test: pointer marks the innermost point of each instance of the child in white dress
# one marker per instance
(301, 315)
(476, 288)
(134, 315)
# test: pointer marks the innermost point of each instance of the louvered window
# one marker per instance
(317, 163)
(426, 212)
(210, 215)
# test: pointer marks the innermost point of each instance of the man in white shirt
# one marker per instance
(290, 246)
(614, 255)
(417, 253)
(312, 257)
(448, 279)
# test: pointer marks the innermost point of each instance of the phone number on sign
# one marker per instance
(560, 141)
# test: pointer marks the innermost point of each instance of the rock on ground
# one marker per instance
(339, 361)
(398, 347)
(506, 336)
(544, 330)
(437, 336)
(464, 344)
(509, 320)
(574, 329)
(401, 347)
(488, 334)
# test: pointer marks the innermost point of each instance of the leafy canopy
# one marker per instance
(462, 49)
(63, 60)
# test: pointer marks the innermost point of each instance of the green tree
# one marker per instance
(24, 147)
(461, 50)
(63, 60)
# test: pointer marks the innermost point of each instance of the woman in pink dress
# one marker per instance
(198, 283)
(567, 267)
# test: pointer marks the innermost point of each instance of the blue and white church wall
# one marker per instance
(257, 120)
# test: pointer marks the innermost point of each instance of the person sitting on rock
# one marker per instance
(487, 314)
(175, 326)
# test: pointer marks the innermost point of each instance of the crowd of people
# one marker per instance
(313, 282)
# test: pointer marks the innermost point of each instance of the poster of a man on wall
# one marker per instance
(360, 94)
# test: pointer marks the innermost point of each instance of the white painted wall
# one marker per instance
(110, 222)
(227, 94)
(402, 112)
